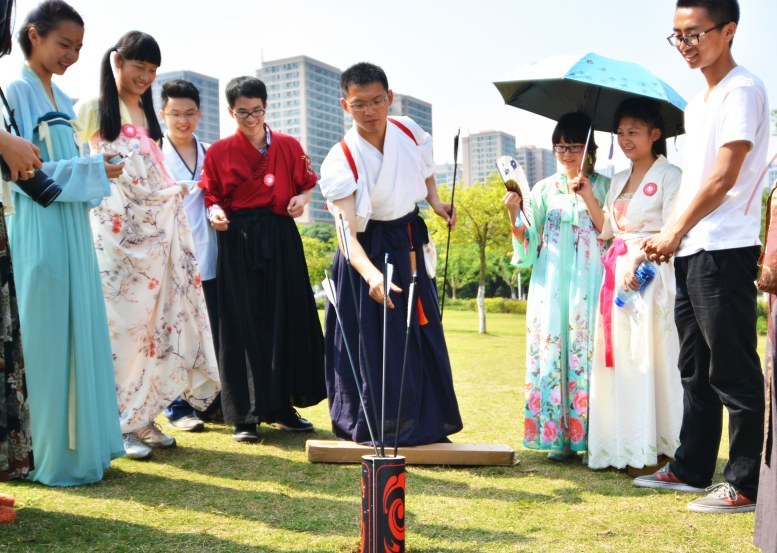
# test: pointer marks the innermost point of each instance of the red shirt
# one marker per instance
(235, 175)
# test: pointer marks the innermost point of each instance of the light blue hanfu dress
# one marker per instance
(67, 348)
(564, 249)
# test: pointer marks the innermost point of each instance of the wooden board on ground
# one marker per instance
(334, 451)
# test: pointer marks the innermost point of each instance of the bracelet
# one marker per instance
(210, 209)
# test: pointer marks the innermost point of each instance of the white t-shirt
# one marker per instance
(390, 183)
(205, 242)
(736, 109)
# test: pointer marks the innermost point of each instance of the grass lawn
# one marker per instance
(212, 494)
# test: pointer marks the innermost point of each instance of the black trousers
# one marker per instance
(715, 312)
(271, 349)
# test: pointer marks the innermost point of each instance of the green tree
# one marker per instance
(462, 264)
(318, 255)
(499, 263)
(482, 221)
(324, 232)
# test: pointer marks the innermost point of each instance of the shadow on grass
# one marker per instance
(469, 536)
(36, 529)
(269, 435)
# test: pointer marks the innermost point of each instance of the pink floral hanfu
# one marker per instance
(160, 333)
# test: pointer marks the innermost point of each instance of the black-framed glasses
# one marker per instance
(571, 148)
(692, 39)
(256, 114)
(361, 106)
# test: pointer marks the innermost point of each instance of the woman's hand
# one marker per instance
(512, 201)
(629, 280)
(21, 156)
(582, 185)
(112, 171)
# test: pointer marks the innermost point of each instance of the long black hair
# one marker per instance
(6, 40)
(647, 111)
(137, 46)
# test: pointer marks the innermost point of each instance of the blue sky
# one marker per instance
(447, 53)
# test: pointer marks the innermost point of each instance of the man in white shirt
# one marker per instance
(714, 232)
(184, 156)
(373, 178)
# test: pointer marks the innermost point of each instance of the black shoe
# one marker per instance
(292, 422)
(245, 433)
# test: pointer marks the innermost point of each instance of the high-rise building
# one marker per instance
(443, 173)
(480, 151)
(208, 129)
(418, 110)
(771, 177)
(303, 100)
(537, 163)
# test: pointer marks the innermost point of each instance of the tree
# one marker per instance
(483, 222)
(325, 232)
(506, 271)
(462, 262)
(318, 255)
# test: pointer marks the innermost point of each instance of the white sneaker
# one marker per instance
(134, 448)
(153, 436)
(188, 423)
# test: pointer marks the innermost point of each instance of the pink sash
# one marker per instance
(617, 249)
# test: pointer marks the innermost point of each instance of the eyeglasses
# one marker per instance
(256, 114)
(692, 39)
(185, 115)
(571, 148)
(361, 106)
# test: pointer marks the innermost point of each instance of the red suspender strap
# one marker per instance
(349, 157)
(404, 129)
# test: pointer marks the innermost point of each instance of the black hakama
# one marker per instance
(429, 411)
(271, 347)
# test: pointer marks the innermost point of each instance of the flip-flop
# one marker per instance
(7, 514)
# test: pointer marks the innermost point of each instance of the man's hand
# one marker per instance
(377, 291)
(218, 219)
(661, 247)
(446, 211)
(297, 205)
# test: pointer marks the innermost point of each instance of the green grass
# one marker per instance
(212, 494)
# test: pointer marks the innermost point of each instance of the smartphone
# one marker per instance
(115, 160)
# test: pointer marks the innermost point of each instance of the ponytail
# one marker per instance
(137, 46)
(108, 107)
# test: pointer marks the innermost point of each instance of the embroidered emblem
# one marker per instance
(269, 180)
(307, 162)
(129, 131)
(650, 189)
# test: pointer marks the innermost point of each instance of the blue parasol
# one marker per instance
(592, 84)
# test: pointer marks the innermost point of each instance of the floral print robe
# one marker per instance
(564, 249)
(160, 333)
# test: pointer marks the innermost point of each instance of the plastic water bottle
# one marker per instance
(644, 274)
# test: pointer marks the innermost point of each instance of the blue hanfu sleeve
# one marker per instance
(526, 251)
(82, 179)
